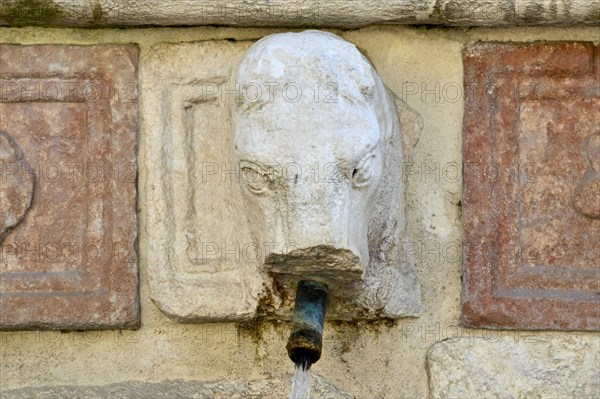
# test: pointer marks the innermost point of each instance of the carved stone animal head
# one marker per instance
(310, 122)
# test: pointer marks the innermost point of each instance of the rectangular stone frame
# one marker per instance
(500, 288)
(102, 292)
(187, 281)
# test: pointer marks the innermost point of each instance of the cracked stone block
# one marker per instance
(521, 366)
(68, 126)
(531, 146)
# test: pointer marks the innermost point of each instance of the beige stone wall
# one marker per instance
(388, 360)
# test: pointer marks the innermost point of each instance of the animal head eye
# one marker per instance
(254, 178)
(362, 174)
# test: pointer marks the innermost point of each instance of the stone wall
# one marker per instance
(428, 356)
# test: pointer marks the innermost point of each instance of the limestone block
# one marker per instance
(313, 13)
(506, 367)
(239, 209)
(180, 389)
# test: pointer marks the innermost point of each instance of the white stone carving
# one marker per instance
(266, 167)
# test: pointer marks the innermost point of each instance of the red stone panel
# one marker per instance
(531, 208)
(68, 126)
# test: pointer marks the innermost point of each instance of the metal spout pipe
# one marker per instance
(306, 340)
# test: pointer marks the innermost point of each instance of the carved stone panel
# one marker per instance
(68, 125)
(214, 254)
(532, 186)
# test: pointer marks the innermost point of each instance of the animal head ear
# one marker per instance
(411, 123)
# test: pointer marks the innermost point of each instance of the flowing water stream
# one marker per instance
(301, 382)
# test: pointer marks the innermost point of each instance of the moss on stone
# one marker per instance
(594, 16)
(97, 12)
(30, 12)
(437, 14)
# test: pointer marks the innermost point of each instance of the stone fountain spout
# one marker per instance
(311, 168)
(309, 186)
(306, 340)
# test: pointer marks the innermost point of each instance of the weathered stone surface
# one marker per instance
(505, 367)
(214, 249)
(180, 389)
(315, 13)
(70, 117)
(531, 195)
